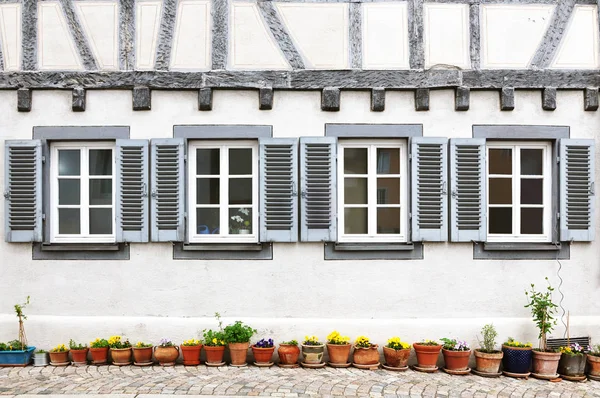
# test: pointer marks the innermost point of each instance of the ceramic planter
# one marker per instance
(427, 355)
(593, 365)
(366, 356)
(142, 355)
(121, 356)
(214, 354)
(99, 355)
(545, 363)
(263, 355)
(191, 354)
(166, 356)
(488, 362)
(16, 358)
(79, 357)
(338, 353)
(238, 353)
(396, 358)
(516, 359)
(40, 359)
(313, 354)
(572, 365)
(288, 354)
(59, 358)
(456, 360)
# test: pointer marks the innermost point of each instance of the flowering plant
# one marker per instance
(141, 344)
(291, 342)
(573, 349)
(542, 310)
(262, 343)
(455, 345)
(115, 342)
(215, 338)
(60, 348)
(362, 342)
(14, 345)
(192, 343)
(513, 343)
(396, 344)
(164, 342)
(594, 351)
(76, 346)
(336, 338)
(428, 342)
(241, 220)
(311, 340)
(99, 343)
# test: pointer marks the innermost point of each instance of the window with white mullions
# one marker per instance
(372, 191)
(519, 192)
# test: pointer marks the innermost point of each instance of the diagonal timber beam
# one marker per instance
(165, 35)
(551, 40)
(80, 39)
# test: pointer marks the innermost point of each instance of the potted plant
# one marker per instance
(263, 352)
(456, 354)
(365, 353)
(120, 351)
(214, 344)
(312, 350)
(572, 361)
(240, 222)
(99, 351)
(16, 352)
(396, 353)
(40, 358)
(166, 353)
(190, 351)
(427, 352)
(545, 361)
(517, 357)
(59, 355)
(487, 358)
(593, 360)
(142, 354)
(288, 352)
(338, 348)
(238, 338)
(78, 352)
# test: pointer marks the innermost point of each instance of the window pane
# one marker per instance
(532, 221)
(500, 191)
(207, 221)
(355, 221)
(207, 191)
(240, 191)
(355, 160)
(69, 162)
(355, 190)
(532, 162)
(388, 220)
(388, 191)
(388, 161)
(208, 161)
(500, 161)
(69, 192)
(240, 161)
(69, 221)
(500, 220)
(100, 221)
(101, 192)
(240, 221)
(100, 162)
(532, 191)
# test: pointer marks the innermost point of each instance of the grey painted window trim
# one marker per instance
(223, 131)
(182, 251)
(43, 251)
(375, 251)
(86, 133)
(520, 132)
(524, 251)
(373, 130)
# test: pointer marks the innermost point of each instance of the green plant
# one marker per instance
(16, 345)
(362, 342)
(60, 348)
(396, 344)
(99, 343)
(41, 351)
(455, 345)
(542, 310)
(311, 340)
(76, 346)
(595, 351)
(513, 343)
(141, 344)
(117, 343)
(21, 315)
(238, 333)
(291, 342)
(191, 343)
(489, 339)
(428, 342)
(214, 338)
(336, 338)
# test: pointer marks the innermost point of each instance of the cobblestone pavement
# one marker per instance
(232, 381)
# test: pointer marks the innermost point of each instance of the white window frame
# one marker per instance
(84, 177)
(224, 146)
(372, 192)
(516, 191)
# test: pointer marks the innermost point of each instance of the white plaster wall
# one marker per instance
(56, 48)
(100, 22)
(147, 25)
(297, 293)
(191, 43)
(579, 45)
(385, 35)
(446, 35)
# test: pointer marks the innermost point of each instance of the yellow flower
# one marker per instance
(222, 342)
(396, 344)
(214, 341)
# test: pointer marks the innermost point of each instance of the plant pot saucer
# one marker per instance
(79, 363)
(60, 363)
(288, 365)
(394, 369)
(424, 370)
(122, 363)
(339, 365)
(142, 363)
(457, 372)
(264, 364)
(373, 366)
(516, 375)
(574, 378)
(595, 378)
(191, 363)
(166, 363)
(313, 365)
(545, 377)
(239, 365)
(486, 374)
(99, 363)
(214, 364)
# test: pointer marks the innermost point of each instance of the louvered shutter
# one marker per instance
(318, 188)
(429, 208)
(576, 190)
(132, 190)
(467, 190)
(168, 190)
(278, 189)
(23, 191)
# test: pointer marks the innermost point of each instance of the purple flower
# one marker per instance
(262, 343)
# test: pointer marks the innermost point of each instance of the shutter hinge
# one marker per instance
(558, 159)
(303, 194)
(153, 193)
(43, 217)
(43, 160)
(144, 190)
(185, 158)
(7, 194)
(409, 216)
(558, 215)
(592, 188)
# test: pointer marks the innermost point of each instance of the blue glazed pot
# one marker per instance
(16, 358)
(517, 360)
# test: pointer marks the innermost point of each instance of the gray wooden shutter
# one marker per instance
(429, 208)
(576, 190)
(23, 193)
(278, 189)
(132, 191)
(318, 189)
(468, 204)
(168, 190)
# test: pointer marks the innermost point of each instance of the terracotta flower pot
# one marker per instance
(488, 362)
(545, 363)
(572, 365)
(593, 365)
(427, 355)
(396, 358)
(456, 360)
(339, 353)
(191, 354)
(142, 355)
(366, 356)
(121, 356)
(166, 356)
(263, 355)
(288, 354)
(99, 355)
(59, 357)
(516, 359)
(313, 353)
(238, 353)
(214, 354)
(79, 357)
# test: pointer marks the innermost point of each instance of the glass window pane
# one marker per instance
(532, 162)
(388, 161)
(388, 191)
(101, 221)
(500, 220)
(69, 192)
(69, 221)
(355, 221)
(240, 221)
(207, 221)
(500, 191)
(388, 220)
(69, 162)
(208, 161)
(207, 191)
(532, 221)
(532, 191)
(240, 191)
(101, 162)
(240, 161)
(355, 190)
(500, 161)
(100, 192)
(355, 160)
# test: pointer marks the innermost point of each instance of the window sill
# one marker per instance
(521, 251)
(223, 251)
(80, 251)
(374, 251)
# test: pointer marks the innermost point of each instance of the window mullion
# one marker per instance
(372, 191)
(84, 194)
(516, 191)
(224, 183)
